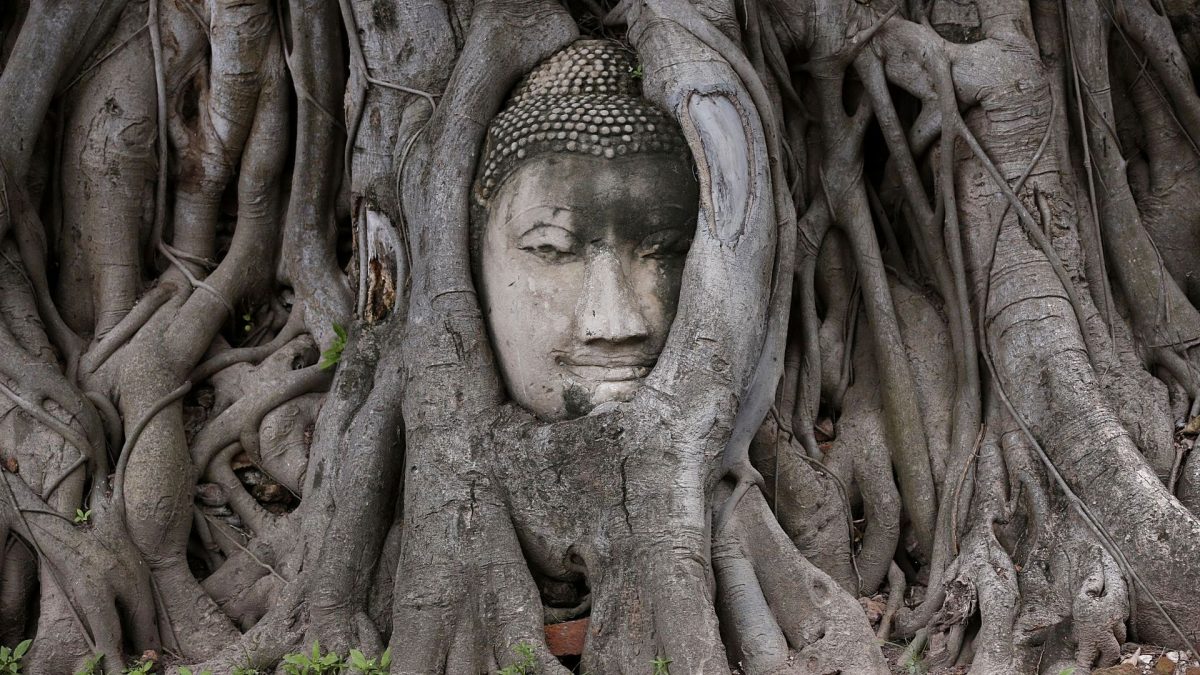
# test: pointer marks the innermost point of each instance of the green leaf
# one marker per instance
(22, 648)
(330, 357)
(89, 665)
(385, 659)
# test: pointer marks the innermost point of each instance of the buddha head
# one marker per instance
(585, 207)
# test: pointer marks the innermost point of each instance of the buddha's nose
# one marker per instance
(608, 309)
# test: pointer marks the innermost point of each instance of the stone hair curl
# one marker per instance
(585, 99)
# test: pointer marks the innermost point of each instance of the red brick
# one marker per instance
(567, 638)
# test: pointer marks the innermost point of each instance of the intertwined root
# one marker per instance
(979, 319)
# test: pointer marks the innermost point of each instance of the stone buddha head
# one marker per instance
(585, 207)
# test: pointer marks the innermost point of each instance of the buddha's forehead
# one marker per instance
(640, 192)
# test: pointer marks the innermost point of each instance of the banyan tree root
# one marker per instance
(208, 208)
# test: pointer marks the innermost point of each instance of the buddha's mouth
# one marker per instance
(608, 367)
(609, 373)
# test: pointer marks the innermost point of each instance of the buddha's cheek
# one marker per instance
(544, 301)
(531, 317)
(657, 289)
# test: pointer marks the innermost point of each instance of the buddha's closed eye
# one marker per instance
(668, 243)
(551, 243)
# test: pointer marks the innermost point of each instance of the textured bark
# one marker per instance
(937, 338)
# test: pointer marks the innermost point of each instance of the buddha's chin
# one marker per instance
(581, 396)
(620, 391)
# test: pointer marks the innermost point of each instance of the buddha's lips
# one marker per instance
(609, 368)
(609, 373)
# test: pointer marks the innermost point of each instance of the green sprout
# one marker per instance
(330, 357)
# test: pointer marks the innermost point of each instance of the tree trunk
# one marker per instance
(936, 352)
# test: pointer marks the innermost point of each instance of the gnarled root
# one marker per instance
(786, 615)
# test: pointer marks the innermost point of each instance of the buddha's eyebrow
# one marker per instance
(541, 223)
(673, 219)
(679, 208)
(551, 218)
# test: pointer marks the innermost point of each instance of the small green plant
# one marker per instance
(10, 659)
(914, 666)
(92, 665)
(527, 663)
(82, 517)
(331, 356)
(184, 670)
(636, 72)
(361, 664)
(246, 669)
(1069, 670)
(144, 668)
(315, 663)
(662, 666)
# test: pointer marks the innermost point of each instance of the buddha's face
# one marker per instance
(581, 261)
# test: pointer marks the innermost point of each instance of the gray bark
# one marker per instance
(937, 338)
